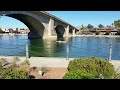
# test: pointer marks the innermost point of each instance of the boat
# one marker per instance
(11, 34)
(61, 41)
(4, 34)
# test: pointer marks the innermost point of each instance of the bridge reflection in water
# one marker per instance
(78, 47)
(46, 47)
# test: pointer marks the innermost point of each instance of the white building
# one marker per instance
(7, 30)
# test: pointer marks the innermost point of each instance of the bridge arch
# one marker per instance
(36, 27)
(40, 23)
(60, 30)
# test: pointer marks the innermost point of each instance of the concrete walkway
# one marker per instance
(53, 61)
(43, 61)
(116, 64)
(49, 62)
(59, 62)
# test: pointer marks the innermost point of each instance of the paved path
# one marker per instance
(43, 61)
(59, 62)
(116, 64)
(53, 62)
(49, 62)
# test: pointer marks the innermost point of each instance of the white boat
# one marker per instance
(11, 34)
(61, 41)
(5, 34)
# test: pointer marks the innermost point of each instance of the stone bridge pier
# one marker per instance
(42, 24)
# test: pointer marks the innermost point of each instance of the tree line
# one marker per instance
(116, 25)
(16, 31)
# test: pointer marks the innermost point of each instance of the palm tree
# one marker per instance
(112, 24)
(117, 24)
(82, 27)
(100, 26)
(89, 26)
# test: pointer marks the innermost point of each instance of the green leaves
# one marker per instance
(3, 61)
(118, 32)
(107, 33)
(1, 31)
(100, 26)
(77, 74)
(26, 62)
(117, 23)
(91, 65)
(13, 74)
(97, 32)
(89, 26)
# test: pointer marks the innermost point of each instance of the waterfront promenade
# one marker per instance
(97, 36)
(72, 35)
(90, 36)
(53, 62)
(11, 34)
(43, 61)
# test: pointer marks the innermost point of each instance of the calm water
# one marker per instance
(77, 47)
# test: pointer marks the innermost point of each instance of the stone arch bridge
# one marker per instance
(42, 24)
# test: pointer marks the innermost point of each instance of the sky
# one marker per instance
(76, 18)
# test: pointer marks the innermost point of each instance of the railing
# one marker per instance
(104, 54)
(66, 50)
(69, 53)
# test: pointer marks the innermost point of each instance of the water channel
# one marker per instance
(75, 47)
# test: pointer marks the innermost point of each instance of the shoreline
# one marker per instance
(67, 36)
(110, 36)
(11, 34)
(52, 61)
(96, 36)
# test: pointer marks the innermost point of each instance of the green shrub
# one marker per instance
(118, 32)
(93, 65)
(107, 33)
(43, 69)
(3, 61)
(97, 32)
(15, 60)
(26, 62)
(116, 75)
(79, 75)
(1, 31)
(0, 65)
(13, 74)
